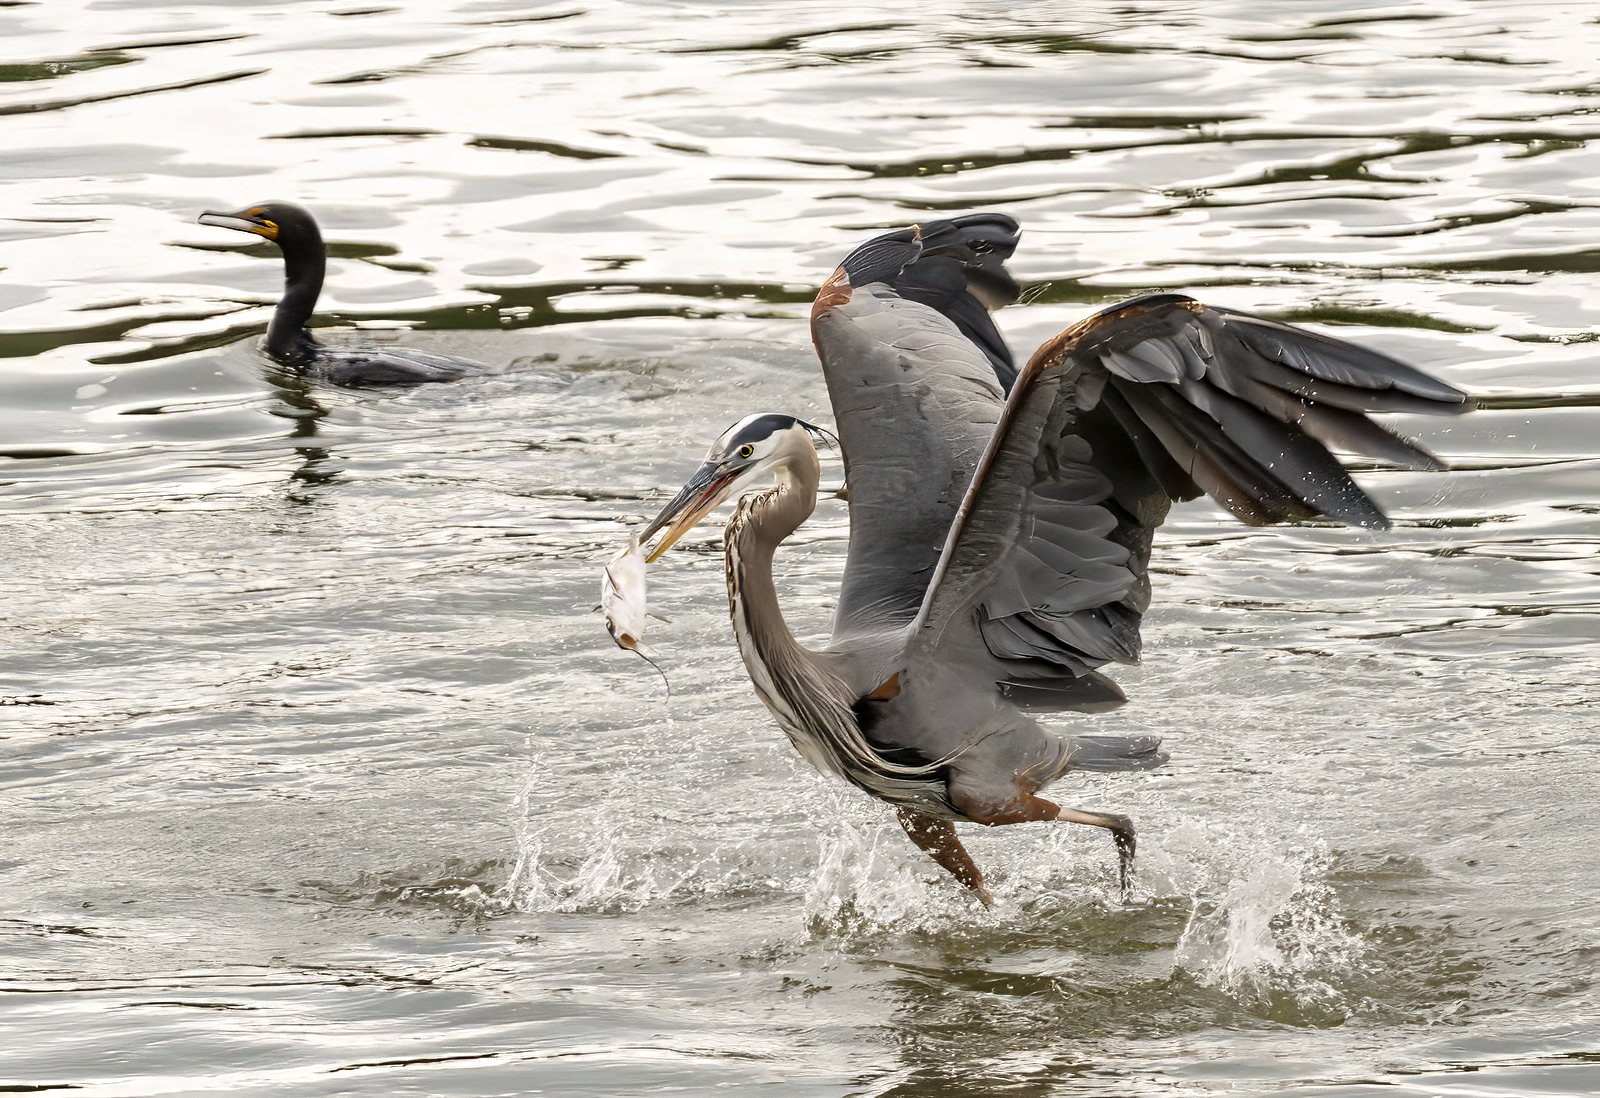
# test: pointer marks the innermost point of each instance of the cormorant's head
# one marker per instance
(742, 454)
(290, 226)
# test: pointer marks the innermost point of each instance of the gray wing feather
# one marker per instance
(1329, 359)
(1147, 402)
(915, 402)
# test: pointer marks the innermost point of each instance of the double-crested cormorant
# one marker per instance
(305, 260)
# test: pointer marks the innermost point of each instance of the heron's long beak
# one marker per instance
(708, 487)
(241, 221)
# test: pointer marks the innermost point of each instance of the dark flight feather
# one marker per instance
(1155, 399)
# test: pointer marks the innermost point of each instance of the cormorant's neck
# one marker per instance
(304, 264)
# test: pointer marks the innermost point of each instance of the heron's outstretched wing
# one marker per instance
(1153, 400)
(914, 367)
(961, 273)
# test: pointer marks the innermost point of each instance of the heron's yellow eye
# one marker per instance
(746, 450)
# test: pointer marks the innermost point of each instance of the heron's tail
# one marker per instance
(1104, 753)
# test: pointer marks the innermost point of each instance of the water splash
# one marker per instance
(605, 860)
(866, 878)
(601, 881)
(848, 876)
(1265, 926)
(605, 881)
(525, 889)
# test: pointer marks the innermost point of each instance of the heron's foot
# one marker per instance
(938, 839)
(1122, 834)
(1126, 845)
(1025, 807)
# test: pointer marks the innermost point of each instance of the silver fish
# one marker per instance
(622, 595)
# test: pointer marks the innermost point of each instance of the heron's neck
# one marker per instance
(797, 685)
(759, 525)
(806, 692)
(303, 270)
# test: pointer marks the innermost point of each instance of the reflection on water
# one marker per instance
(322, 773)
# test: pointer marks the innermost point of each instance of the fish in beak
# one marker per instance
(622, 596)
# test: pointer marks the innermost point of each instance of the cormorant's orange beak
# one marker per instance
(246, 221)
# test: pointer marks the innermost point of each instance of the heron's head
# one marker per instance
(752, 448)
(288, 225)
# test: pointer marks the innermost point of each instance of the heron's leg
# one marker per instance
(1121, 829)
(1025, 808)
(938, 839)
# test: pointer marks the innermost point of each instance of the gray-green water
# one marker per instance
(319, 775)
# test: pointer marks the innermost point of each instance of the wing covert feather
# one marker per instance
(914, 403)
(917, 373)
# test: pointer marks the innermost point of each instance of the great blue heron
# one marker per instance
(305, 261)
(999, 546)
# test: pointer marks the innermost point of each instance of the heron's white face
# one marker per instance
(740, 457)
(754, 439)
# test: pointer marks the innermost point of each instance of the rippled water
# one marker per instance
(320, 774)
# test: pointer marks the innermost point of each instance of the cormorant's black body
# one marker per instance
(305, 262)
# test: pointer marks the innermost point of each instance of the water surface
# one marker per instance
(321, 775)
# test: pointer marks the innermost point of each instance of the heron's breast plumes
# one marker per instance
(813, 705)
